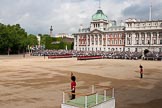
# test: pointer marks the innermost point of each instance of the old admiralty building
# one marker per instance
(132, 35)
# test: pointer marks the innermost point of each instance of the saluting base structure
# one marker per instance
(102, 98)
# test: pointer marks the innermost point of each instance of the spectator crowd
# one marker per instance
(104, 54)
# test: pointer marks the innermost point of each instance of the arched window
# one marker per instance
(120, 42)
(137, 35)
(148, 35)
(116, 42)
(129, 35)
(154, 34)
(112, 42)
(142, 35)
(112, 49)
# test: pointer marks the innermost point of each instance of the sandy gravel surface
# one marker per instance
(35, 82)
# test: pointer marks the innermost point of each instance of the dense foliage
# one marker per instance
(14, 39)
(55, 43)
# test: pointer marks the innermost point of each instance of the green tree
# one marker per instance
(62, 45)
(43, 39)
(32, 40)
(72, 46)
(13, 39)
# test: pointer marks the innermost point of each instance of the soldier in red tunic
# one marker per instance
(73, 85)
(141, 71)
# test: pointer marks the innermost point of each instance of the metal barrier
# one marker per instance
(100, 96)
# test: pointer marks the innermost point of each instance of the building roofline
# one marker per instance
(143, 21)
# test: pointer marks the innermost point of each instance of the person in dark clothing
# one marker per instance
(44, 55)
(73, 85)
(141, 71)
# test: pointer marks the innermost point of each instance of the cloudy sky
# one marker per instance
(36, 16)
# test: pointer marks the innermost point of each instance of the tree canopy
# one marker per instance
(55, 43)
(14, 39)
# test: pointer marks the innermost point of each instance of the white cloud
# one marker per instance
(1, 20)
(66, 15)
